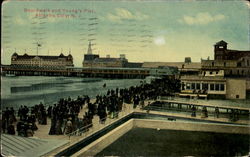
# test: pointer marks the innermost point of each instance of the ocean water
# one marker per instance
(31, 90)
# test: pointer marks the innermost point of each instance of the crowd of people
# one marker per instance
(8, 120)
(64, 114)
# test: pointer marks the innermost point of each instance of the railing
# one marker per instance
(94, 127)
(187, 112)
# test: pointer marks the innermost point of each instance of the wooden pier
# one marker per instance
(133, 73)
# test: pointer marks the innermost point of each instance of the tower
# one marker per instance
(89, 57)
(220, 50)
(89, 49)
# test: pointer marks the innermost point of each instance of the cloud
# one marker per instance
(201, 19)
(124, 14)
(160, 40)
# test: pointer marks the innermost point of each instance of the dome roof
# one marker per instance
(15, 54)
(61, 55)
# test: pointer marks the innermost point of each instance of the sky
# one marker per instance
(145, 31)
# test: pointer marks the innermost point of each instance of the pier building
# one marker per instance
(94, 60)
(41, 61)
(185, 68)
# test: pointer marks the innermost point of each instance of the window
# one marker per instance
(222, 87)
(217, 87)
(204, 86)
(224, 64)
(237, 96)
(188, 85)
(217, 72)
(193, 86)
(198, 86)
(212, 64)
(211, 86)
(210, 72)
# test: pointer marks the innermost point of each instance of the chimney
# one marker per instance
(122, 56)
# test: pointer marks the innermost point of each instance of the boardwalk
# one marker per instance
(43, 130)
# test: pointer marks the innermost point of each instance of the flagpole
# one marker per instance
(37, 50)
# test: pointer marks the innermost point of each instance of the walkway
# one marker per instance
(43, 130)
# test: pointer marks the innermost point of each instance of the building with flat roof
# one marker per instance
(185, 68)
(213, 85)
(222, 53)
(94, 60)
(227, 76)
(235, 63)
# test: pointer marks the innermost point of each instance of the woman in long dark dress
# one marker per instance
(52, 130)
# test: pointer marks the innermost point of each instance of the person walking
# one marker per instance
(217, 112)
(69, 126)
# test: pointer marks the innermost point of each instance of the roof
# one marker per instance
(26, 56)
(107, 59)
(192, 65)
(23, 146)
(15, 54)
(247, 52)
(133, 65)
(222, 42)
(206, 78)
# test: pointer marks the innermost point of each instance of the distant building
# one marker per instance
(192, 68)
(41, 61)
(213, 84)
(188, 60)
(227, 76)
(235, 63)
(164, 71)
(94, 60)
(222, 53)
